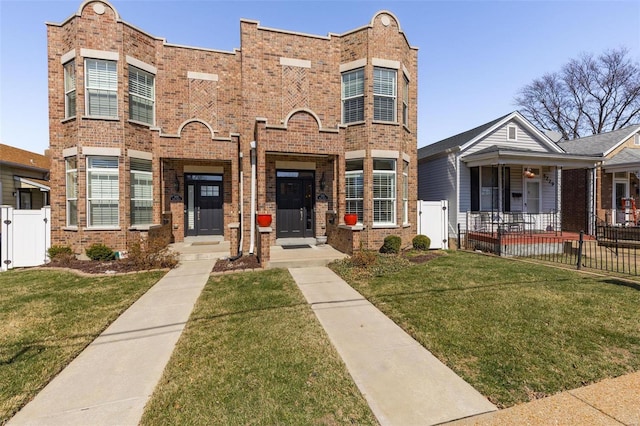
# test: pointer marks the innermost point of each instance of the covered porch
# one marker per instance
(619, 200)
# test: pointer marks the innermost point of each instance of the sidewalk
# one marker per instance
(403, 383)
(111, 380)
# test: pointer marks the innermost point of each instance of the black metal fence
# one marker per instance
(613, 249)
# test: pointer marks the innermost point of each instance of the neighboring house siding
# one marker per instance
(525, 141)
(465, 195)
(437, 181)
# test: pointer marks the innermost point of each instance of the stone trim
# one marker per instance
(133, 153)
(142, 65)
(351, 155)
(202, 76)
(99, 54)
(386, 63)
(95, 150)
(406, 72)
(406, 157)
(70, 152)
(301, 63)
(358, 63)
(69, 56)
(384, 153)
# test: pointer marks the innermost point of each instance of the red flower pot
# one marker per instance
(350, 219)
(264, 220)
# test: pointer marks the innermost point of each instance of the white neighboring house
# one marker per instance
(504, 174)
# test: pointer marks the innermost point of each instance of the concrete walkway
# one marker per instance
(110, 382)
(403, 383)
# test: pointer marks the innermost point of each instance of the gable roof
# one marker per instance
(20, 157)
(601, 144)
(465, 139)
(628, 156)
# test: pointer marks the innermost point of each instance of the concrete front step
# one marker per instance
(303, 257)
(188, 257)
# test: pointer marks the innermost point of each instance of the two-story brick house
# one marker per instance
(145, 133)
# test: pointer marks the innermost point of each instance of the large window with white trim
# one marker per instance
(353, 96)
(405, 102)
(384, 94)
(70, 89)
(354, 178)
(405, 192)
(141, 192)
(141, 95)
(101, 88)
(102, 191)
(488, 189)
(71, 168)
(384, 191)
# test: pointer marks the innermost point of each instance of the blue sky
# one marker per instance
(474, 55)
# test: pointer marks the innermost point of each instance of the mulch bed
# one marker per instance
(241, 264)
(95, 266)
(423, 258)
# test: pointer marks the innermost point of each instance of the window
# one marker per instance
(141, 95)
(102, 88)
(141, 192)
(71, 166)
(70, 89)
(405, 102)
(384, 191)
(353, 96)
(489, 188)
(384, 94)
(512, 133)
(355, 187)
(24, 199)
(102, 191)
(405, 192)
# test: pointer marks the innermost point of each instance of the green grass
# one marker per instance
(254, 353)
(516, 331)
(47, 318)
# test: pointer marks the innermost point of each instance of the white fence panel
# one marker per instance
(433, 221)
(26, 237)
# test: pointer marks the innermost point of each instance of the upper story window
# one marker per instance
(71, 167)
(70, 89)
(354, 180)
(384, 191)
(353, 96)
(384, 94)
(141, 95)
(512, 133)
(101, 88)
(405, 102)
(102, 191)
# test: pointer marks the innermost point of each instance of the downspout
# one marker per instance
(241, 242)
(253, 197)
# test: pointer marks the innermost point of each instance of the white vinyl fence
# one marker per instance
(25, 237)
(433, 221)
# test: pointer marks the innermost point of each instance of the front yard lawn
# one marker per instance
(253, 352)
(516, 331)
(49, 317)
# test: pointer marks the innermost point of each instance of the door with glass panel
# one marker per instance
(620, 191)
(203, 207)
(295, 204)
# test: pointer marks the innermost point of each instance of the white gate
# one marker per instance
(433, 221)
(26, 237)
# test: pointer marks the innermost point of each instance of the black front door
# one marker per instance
(295, 204)
(203, 207)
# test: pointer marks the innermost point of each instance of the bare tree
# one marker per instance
(590, 95)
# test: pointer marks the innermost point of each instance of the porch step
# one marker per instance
(303, 257)
(201, 249)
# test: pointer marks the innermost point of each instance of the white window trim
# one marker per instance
(405, 192)
(132, 171)
(394, 119)
(355, 173)
(343, 98)
(89, 199)
(636, 139)
(152, 100)
(405, 101)
(515, 132)
(87, 88)
(482, 209)
(68, 91)
(67, 174)
(395, 196)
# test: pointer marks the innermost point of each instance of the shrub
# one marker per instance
(61, 254)
(421, 242)
(391, 244)
(99, 251)
(363, 258)
(151, 254)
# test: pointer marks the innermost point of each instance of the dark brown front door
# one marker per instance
(295, 204)
(203, 207)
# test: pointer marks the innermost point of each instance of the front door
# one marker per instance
(295, 204)
(203, 207)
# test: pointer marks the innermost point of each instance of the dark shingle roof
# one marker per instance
(457, 140)
(598, 144)
(10, 154)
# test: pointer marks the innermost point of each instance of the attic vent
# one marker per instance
(512, 133)
(636, 139)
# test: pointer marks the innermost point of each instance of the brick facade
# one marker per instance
(280, 89)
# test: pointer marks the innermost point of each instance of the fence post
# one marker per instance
(499, 251)
(580, 241)
(458, 242)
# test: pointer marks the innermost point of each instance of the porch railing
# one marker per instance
(514, 222)
(621, 217)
